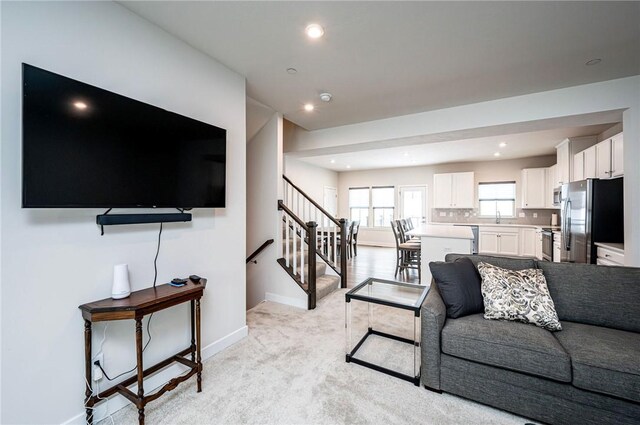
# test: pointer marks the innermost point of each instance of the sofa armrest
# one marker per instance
(434, 314)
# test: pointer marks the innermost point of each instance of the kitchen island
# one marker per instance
(436, 241)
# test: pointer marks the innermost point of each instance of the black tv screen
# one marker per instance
(85, 147)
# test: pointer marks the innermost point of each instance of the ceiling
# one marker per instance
(520, 145)
(383, 59)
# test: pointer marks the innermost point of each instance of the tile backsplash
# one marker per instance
(471, 216)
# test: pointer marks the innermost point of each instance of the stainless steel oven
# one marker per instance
(547, 244)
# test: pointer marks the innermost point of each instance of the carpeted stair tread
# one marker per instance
(325, 285)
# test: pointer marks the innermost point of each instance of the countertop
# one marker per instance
(617, 247)
(528, 226)
(442, 231)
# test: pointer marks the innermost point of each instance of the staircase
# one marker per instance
(311, 244)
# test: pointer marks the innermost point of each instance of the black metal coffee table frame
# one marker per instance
(364, 292)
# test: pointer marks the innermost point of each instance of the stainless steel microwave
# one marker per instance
(557, 196)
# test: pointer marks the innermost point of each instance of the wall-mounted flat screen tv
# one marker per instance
(85, 147)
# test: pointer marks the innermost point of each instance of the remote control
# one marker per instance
(179, 281)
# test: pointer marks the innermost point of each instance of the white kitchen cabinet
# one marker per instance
(610, 254)
(590, 163)
(563, 163)
(603, 159)
(617, 155)
(454, 190)
(578, 167)
(442, 190)
(551, 184)
(557, 253)
(539, 244)
(528, 242)
(566, 154)
(533, 188)
(498, 240)
(488, 242)
(508, 243)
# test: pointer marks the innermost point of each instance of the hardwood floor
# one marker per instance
(374, 261)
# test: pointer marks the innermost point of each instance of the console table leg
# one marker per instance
(88, 392)
(193, 332)
(198, 345)
(140, 371)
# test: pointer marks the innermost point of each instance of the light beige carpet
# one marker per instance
(291, 369)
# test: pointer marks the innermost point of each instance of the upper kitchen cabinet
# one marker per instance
(603, 159)
(551, 183)
(610, 157)
(534, 188)
(566, 152)
(617, 157)
(590, 159)
(454, 190)
(578, 166)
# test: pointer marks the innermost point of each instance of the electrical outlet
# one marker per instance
(97, 372)
(466, 214)
(451, 214)
(521, 215)
(535, 215)
(443, 214)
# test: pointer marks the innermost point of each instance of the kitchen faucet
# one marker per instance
(498, 217)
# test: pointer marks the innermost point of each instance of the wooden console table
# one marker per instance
(135, 307)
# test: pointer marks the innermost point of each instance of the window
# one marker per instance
(377, 203)
(497, 198)
(383, 204)
(359, 205)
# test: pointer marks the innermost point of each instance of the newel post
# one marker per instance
(311, 263)
(343, 252)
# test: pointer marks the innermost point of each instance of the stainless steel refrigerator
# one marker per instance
(591, 211)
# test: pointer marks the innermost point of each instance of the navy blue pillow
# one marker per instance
(459, 285)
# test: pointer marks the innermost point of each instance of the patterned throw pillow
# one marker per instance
(521, 295)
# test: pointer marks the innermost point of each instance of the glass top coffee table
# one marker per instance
(405, 296)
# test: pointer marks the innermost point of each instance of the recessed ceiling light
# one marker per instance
(593, 62)
(333, 161)
(80, 105)
(314, 31)
(406, 154)
(308, 107)
(292, 71)
(348, 166)
(502, 145)
(496, 154)
(325, 97)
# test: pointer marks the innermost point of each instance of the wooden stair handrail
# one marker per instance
(259, 250)
(283, 207)
(314, 203)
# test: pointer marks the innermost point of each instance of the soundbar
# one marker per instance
(115, 219)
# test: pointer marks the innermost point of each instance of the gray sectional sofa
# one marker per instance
(588, 373)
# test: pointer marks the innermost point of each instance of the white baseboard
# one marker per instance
(117, 402)
(294, 302)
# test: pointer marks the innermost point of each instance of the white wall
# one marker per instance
(310, 178)
(267, 279)
(504, 116)
(486, 171)
(55, 260)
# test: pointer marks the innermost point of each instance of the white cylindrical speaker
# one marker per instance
(121, 287)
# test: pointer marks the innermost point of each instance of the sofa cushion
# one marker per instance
(604, 360)
(518, 295)
(510, 345)
(504, 262)
(596, 295)
(459, 285)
